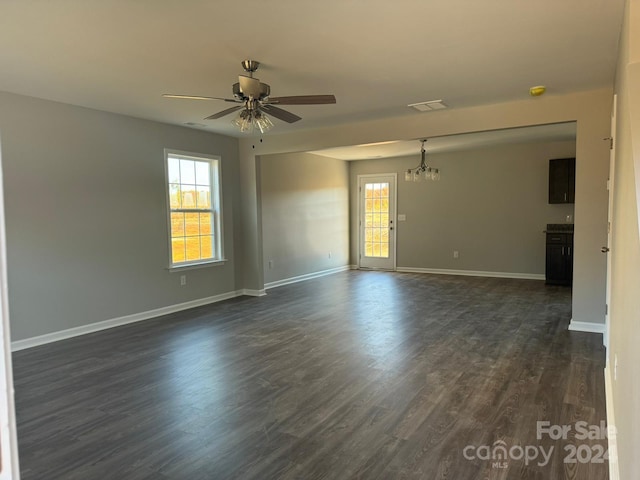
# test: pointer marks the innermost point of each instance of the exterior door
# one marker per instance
(377, 214)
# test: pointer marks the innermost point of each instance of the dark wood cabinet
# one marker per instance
(559, 264)
(562, 180)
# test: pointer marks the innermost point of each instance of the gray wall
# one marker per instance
(305, 214)
(490, 205)
(625, 253)
(86, 215)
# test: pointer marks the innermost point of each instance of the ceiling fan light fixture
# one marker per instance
(248, 120)
(262, 121)
(243, 121)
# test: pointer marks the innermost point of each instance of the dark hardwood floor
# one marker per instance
(363, 375)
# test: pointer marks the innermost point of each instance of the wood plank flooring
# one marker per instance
(358, 375)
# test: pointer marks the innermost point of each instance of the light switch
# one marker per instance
(402, 217)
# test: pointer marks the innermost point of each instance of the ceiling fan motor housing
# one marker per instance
(265, 91)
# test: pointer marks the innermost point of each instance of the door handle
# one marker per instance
(605, 249)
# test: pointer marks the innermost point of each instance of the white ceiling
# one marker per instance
(375, 56)
(400, 148)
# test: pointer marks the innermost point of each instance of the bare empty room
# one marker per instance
(317, 240)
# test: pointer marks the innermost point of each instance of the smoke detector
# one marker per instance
(537, 91)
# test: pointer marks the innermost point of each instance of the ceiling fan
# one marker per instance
(253, 102)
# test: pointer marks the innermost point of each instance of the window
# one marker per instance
(193, 190)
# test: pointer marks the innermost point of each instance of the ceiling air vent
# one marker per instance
(428, 106)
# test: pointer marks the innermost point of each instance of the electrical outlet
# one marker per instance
(615, 367)
(456, 254)
(270, 264)
(183, 280)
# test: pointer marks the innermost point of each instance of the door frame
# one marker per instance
(610, 188)
(9, 466)
(392, 215)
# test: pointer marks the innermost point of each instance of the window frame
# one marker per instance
(215, 180)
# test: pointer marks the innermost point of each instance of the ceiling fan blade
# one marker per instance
(197, 97)
(249, 86)
(281, 114)
(303, 100)
(224, 112)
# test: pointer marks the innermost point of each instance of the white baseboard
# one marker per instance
(587, 327)
(614, 470)
(253, 293)
(308, 276)
(116, 322)
(472, 273)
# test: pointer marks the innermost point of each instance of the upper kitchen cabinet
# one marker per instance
(562, 180)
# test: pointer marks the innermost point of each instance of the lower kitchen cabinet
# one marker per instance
(559, 265)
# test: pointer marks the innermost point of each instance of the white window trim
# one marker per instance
(193, 266)
(217, 209)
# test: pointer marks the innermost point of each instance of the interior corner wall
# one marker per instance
(86, 215)
(624, 351)
(305, 214)
(491, 205)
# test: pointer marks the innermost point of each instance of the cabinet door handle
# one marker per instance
(568, 250)
(562, 250)
(565, 197)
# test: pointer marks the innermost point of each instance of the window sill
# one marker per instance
(193, 266)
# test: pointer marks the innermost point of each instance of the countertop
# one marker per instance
(559, 228)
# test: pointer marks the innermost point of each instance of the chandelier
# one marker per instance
(251, 117)
(423, 170)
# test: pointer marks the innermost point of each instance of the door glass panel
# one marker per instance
(376, 228)
(368, 249)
